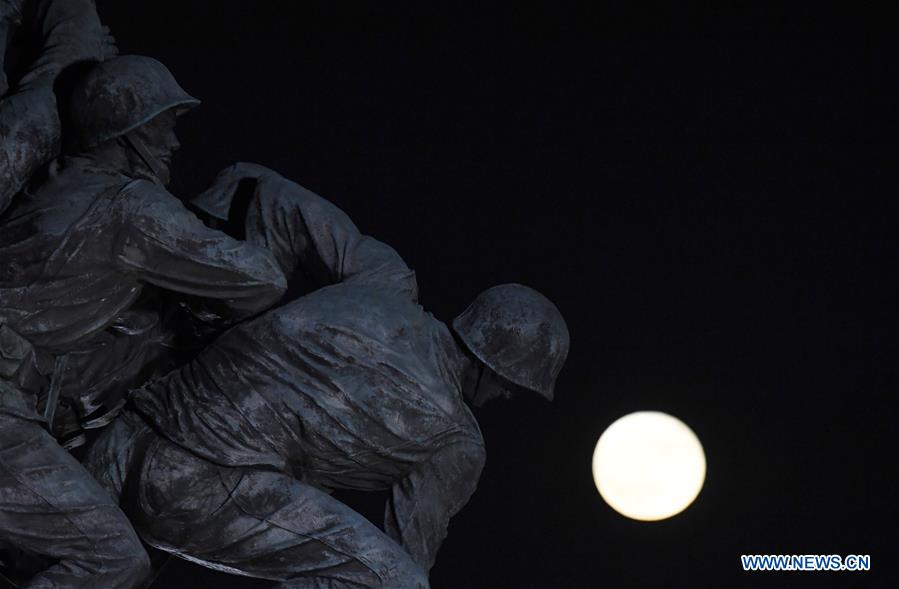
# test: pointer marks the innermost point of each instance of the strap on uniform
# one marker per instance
(59, 368)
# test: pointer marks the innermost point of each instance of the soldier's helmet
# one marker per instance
(518, 333)
(119, 95)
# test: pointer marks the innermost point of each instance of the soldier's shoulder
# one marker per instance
(141, 187)
(65, 174)
(73, 188)
(144, 198)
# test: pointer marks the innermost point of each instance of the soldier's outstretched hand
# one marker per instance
(108, 46)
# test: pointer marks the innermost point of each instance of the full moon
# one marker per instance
(648, 466)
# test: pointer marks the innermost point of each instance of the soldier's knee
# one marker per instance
(393, 570)
(407, 575)
(418, 579)
(124, 562)
(140, 570)
(127, 566)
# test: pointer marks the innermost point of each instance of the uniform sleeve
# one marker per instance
(70, 32)
(347, 255)
(67, 31)
(422, 504)
(168, 246)
(10, 16)
(310, 237)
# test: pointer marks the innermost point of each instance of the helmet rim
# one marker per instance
(517, 333)
(546, 392)
(182, 106)
(121, 94)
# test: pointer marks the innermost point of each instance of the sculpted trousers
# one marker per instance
(51, 507)
(251, 522)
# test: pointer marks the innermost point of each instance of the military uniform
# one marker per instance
(78, 254)
(81, 250)
(229, 460)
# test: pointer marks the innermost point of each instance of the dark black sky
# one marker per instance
(705, 209)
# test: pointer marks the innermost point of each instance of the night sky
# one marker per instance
(705, 210)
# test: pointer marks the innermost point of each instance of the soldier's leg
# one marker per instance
(115, 456)
(266, 525)
(51, 507)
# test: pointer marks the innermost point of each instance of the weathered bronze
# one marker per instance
(250, 351)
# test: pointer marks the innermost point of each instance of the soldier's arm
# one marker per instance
(309, 236)
(71, 32)
(10, 15)
(167, 245)
(422, 504)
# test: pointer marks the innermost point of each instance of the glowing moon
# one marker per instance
(648, 466)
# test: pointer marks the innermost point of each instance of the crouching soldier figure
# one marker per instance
(229, 461)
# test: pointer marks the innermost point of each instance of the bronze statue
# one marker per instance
(68, 32)
(264, 350)
(82, 255)
(229, 461)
